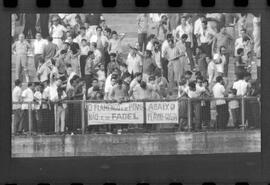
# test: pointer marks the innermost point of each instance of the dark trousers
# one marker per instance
(25, 120)
(226, 66)
(236, 117)
(38, 121)
(30, 25)
(222, 116)
(44, 19)
(196, 115)
(82, 64)
(17, 120)
(189, 54)
(253, 113)
(206, 48)
(142, 40)
(164, 64)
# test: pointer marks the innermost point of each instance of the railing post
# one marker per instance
(243, 111)
(189, 116)
(83, 116)
(30, 120)
(56, 118)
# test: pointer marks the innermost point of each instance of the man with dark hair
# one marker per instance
(50, 49)
(112, 64)
(119, 91)
(137, 80)
(164, 61)
(38, 46)
(149, 65)
(75, 52)
(81, 36)
(16, 98)
(221, 106)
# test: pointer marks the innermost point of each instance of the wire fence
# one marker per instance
(139, 116)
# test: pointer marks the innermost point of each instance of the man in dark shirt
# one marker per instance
(149, 65)
(75, 52)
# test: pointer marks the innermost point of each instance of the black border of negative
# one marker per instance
(252, 168)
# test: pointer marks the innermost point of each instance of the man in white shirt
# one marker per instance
(38, 46)
(240, 85)
(57, 32)
(99, 38)
(43, 70)
(186, 28)
(81, 36)
(16, 98)
(205, 38)
(220, 61)
(164, 61)
(221, 106)
(109, 86)
(134, 62)
(27, 97)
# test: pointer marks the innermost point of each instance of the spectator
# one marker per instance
(240, 85)
(37, 126)
(50, 49)
(234, 108)
(84, 54)
(112, 64)
(201, 60)
(43, 71)
(134, 62)
(211, 69)
(119, 92)
(115, 43)
(16, 99)
(57, 31)
(221, 107)
(21, 48)
(175, 67)
(186, 28)
(38, 46)
(27, 99)
(142, 22)
(149, 65)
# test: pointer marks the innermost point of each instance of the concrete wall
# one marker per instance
(137, 144)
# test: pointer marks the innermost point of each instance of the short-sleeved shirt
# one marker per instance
(241, 86)
(218, 92)
(187, 29)
(27, 97)
(39, 46)
(49, 51)
(21, 48)
(57, 31)
(16, 96)
(134, 63)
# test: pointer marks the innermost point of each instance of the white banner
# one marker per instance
(115, 113)
(162, 112)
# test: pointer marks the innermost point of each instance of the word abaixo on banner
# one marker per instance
(162, 112)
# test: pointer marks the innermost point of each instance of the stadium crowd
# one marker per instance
(79, 57)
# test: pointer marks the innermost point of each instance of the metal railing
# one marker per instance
(76, 112)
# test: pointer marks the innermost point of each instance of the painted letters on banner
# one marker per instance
(115, 113)
(162, 112)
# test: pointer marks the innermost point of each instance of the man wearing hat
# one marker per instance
(57, 31)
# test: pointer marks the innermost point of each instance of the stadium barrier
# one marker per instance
(182, 114)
